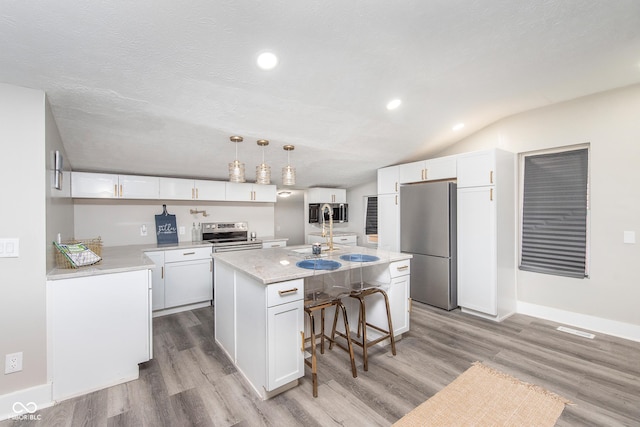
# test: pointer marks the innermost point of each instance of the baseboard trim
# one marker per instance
(40, 396)
(592, 323)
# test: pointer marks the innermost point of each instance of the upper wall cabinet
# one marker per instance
(327, 195)
(108, 186)
(246, 192)
(477, 169)
(191, 189)
(389, 180)
(428, 170)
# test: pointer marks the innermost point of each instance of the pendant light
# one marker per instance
(288, 172)
(263, 171)
(236, 169)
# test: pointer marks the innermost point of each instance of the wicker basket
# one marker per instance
(94, 245)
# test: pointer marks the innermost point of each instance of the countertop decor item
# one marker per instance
(166, 229)
(78, 253)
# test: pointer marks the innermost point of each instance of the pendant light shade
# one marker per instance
(236, 169)
(263, 171)
(288, 172)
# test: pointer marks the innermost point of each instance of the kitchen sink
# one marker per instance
(319, 264)
(359, 258)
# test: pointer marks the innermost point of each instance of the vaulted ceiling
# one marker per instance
(158, 87)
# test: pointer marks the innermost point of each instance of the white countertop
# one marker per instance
(119, 259)
(279, 264)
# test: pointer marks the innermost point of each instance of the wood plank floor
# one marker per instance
(190, 382)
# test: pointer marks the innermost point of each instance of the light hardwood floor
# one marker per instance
(190, 382)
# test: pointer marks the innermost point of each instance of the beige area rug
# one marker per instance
(482, 396)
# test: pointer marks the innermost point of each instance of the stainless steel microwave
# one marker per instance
(340, 212)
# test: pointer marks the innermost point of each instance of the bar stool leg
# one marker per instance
(314, 361)
(347, 335)
(391, 336)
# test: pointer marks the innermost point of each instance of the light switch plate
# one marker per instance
(9, 248)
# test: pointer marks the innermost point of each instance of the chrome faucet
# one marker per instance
(324, 232)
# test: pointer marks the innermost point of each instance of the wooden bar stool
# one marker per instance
(311, 307)
(361, 295)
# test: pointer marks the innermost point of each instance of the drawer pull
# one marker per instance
(288, 291)
(302, 343)
(189, 253)
(402, 267)
(410, 305)
(275, 246)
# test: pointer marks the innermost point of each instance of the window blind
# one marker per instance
(371, 220)
(554, 217)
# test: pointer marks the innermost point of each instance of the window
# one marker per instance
(554, 213)
(371, 216)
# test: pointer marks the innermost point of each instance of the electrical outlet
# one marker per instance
(13, 363)
(182, 230)
(143, 230)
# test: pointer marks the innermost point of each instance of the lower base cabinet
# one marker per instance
(260, 328)
(181, 277)
(98, 331)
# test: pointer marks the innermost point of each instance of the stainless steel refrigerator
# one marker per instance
(428, 232)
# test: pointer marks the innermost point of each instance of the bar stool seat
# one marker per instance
(320, 302)
(361, 295)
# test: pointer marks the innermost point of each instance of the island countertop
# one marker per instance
(279, 264)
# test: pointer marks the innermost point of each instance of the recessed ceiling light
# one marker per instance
(267, 60)
(393, 104)
(458, 127)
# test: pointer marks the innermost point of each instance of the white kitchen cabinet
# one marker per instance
(326, 195)
(109, 186)
(191, 189)
(486, 235)
(188, 276)
(428, 170)
(396, 281)
(98, 331)
(389, 222)
(157, 279)
(260, 328)
(274, 244)
(349, 239)
(246, 192)
(389, 208)
(477, 169)
(389, 180)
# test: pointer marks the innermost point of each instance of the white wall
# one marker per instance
(118, 221)
(357, 206)
(609, 122)
(27, 134)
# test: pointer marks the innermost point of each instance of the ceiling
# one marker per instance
(158, 87)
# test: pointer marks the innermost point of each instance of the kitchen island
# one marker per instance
(259, 305)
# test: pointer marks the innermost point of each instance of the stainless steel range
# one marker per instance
(229, 236)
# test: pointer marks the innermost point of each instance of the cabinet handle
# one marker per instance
(120, 190)
(410, 305)
(288, 291)
(396, 186)
(491, 177)
(197, 195)
(189, 253)
(192, 194)
(402, 267)
(396, 200)
(426, 174)
(302, 343)
(162, 272)
(211, 266)
(491, 194)
(115, 190)
(275, 246)
(422, 174)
